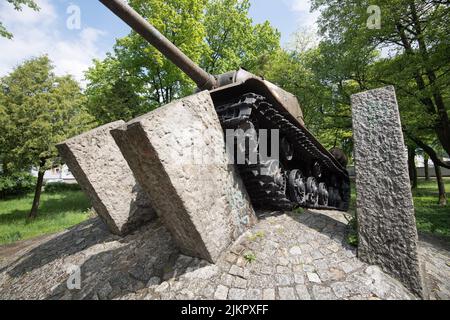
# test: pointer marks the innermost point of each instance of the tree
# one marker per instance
(437, 162)
(232, 39)
(321, 77)
(414, 32)
(426, 166)
(136, 78)
(409, 51)
(38, 110)
(113, 93)
(441, 185)
(18, 5)
(146, 79)
(412, 169)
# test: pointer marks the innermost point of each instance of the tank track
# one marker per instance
(286, 184)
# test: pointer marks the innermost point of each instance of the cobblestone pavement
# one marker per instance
(285, 256)
(435, 256)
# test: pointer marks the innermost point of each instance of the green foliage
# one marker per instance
(217, 34)
(10, 237)
(409, 51)
(18, 5)
(136, 78)
(249, 256)
(352, 238)
(58, 211)
(350, 58)
(16, 184)
(299, 210)
(37, 111)
(307, 72)
(233, 41)
(430, 216)
(352, 232)
(256, 236)
(57, 187)
(112, 93)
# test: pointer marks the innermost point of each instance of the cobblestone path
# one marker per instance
(285, 256)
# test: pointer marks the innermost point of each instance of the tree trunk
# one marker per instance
(443, 131)
(412, 167)
(441, 186)
(37, 193)
(429, 150)
(425, 167)
(442, 125)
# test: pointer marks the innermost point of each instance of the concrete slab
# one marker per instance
(103, 174)
(177, 153)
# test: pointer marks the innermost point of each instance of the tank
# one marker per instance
(304, 174)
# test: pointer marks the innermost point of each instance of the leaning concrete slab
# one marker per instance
(103, 174)
(386, 222)
(177, 153)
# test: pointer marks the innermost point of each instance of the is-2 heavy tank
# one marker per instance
(303, 173)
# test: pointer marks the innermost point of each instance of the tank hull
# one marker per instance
(309, 176)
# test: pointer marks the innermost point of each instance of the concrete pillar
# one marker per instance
(386, 223)
(177, 153)
(103, 174)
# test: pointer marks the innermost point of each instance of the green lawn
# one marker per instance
(430, 217)
(64, 209)
(57, 212)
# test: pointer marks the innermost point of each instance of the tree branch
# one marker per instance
(429, 150)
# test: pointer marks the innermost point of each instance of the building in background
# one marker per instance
(420, 168)
(57, 174)
(63, 174)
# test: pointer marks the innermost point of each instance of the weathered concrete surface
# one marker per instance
(296, 257)
(386, 222)
(435, 254)
(103, 174)
(177, 153)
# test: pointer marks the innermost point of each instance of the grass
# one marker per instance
(430, 216)
(249, 256)
(64, 209)
(299, 210)
(58, 211)
(256, 236)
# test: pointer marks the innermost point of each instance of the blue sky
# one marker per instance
(72, 50)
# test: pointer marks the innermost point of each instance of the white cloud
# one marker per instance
(300, 5)
(37, 33)
(305, 18)
(28, 16)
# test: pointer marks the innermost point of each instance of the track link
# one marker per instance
(267, 182)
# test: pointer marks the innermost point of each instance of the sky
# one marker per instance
(72, 43)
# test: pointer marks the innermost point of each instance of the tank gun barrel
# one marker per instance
(203, 79)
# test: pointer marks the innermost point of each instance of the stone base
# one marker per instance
(103, 174)
(386, 222)
(177, 153)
